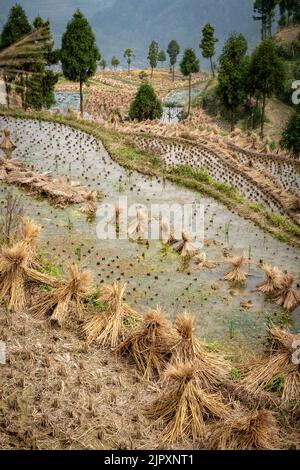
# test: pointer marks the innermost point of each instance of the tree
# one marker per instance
(267, 73)
(103, 64)
(16, 27)
(291, 135)
(153, 55)
(79, 52)
(173, 51)
(115, 62)
(189, 65)
(40, 82)
(290, 11)
(207, 44)
(145, 105)
(162, 57)
(232, 88)
(264, 11)
(129, 56)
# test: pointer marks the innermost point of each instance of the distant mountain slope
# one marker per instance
(134, 23)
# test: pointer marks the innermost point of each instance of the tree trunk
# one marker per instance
(190, 93)
(231, 121)
(212, 67)
(151, 72)
(173, 73)
(81, 99)
(262, 122)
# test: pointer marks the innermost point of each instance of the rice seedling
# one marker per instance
(278, 364)
(15, 272)
(288, 297)
(185, 247)
(255, 430)
(201, 262)
(183, 408)
(273, 281)
(66, 300)
(108, 327)
(150, 345)
(212, 369)
(237, 274)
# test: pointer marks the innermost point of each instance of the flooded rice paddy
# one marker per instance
(154, 275)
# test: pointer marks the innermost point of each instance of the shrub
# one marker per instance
(291, 135)
(145, 105)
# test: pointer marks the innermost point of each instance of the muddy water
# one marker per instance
(153, 276)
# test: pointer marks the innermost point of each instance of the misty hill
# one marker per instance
(119, 24)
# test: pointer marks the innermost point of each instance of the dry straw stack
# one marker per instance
(185, 247)
(212, 368)
(108, 327)
(65, 302)
(183, 408)
(281, 364)
(288, 297)
(237, 274)
(201, 262)
(273, 280)
(255, 430)
(151, 344)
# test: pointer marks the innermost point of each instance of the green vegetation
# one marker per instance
(189, 65)
(173, 51)
(145, 105)
(129, 56)
(103, 64)
(153, 55)
(207, 44)
(79, 52)
(162, 57)
(115, 62)
(291, 135)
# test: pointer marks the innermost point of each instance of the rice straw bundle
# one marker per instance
(66, 300)
(7, 143)
(280, 364)
(150, 345)
(166, 232)
(255, 430)
(30, 232)
(273, 280)
(184, 246)
(139, 225)
(108, 327)
(15, 271)
(90, 206)
(201, 261)
(236, 274)
(213, 370)
(288, 297)
(183, 407)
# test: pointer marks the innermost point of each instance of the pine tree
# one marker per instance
(153, 55)
(129, 56)
(189, 65)
(145, 105)
(162, 57)
(208, 44)
(232, 88)
(79, 52)
(291, 135)
(267, 74)
(264, 11)
(16, 27)
(115, 62)
(173, 51)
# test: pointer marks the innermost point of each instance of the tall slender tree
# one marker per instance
(129, 56)
(189, 65)
(16, 27)
(79, 52)
(103, 63)
(162, 57)
(153, 55)
(264, 11)
(232, 87)
(267, 73)
(115, 62)
(207, 44)
(173, 52)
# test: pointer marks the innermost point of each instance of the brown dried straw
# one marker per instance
(183, 408)
(236, 274)
(150, 345)
(281, 363)
(288, 297)
(273, 281)
(255, 430)
(213, 370)
(108, 327)
(65, 301)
